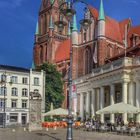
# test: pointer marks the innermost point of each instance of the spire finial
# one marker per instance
(74, 23)
(101, 12)
(51, 23)
(37, 30)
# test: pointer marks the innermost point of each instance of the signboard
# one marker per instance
(74, 95)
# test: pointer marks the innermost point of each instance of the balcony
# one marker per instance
(122, 62)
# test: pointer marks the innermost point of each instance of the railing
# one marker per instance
(122, 62)
(43, 38)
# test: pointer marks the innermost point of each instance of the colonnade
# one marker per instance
(95, 99)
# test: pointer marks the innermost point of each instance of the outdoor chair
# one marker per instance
(124, 129)
(93, 128)
(104, 128)
(133, 130)
(118, 129)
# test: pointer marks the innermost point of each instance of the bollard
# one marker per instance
(47, 129)
(55, 128)
(13, 130)
(24, 129)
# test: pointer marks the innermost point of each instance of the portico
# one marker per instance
(97, 91)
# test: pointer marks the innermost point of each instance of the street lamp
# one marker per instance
(67, 10)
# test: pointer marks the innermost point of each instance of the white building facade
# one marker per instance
(15, 90)
(118, 81)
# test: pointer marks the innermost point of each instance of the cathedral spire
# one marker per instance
(74, 23)
(37, 30)
(33, 65)
(101, 11)
(51, 23)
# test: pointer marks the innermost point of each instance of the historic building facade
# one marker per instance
(107, 65)
(105, 58)
(16, 84)
(50, 44)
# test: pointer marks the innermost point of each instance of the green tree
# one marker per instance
(54, 86)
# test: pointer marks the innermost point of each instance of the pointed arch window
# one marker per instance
(45, 23)
(41, 24)
(41, 54)
(87, 61)
(46, 53)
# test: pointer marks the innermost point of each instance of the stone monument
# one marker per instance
(35, 112)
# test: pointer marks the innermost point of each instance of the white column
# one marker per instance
(124, 97)
(138, 98)
(87, 104)
(102, 102)
(112, 94)
(93, 103)
(82, 106)
(19, 118)
(98, 99)
(131, 93)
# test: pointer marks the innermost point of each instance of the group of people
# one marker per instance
(96, 123)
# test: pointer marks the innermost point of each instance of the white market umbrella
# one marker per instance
(57, 112)
(119, 108)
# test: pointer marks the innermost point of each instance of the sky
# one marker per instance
(18, 22)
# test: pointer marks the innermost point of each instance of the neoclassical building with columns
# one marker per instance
(106, 66)
(111, 83)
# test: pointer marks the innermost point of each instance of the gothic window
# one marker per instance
(87, 61)
(46, 52)
(41, 24)
(41, 54)
(45, 23)
(84, 37)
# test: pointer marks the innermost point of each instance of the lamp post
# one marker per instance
(67, 10)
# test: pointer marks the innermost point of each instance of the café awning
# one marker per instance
(119, 108)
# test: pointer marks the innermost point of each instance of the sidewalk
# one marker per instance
(59, 134)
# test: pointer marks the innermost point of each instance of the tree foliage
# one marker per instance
(53, 87)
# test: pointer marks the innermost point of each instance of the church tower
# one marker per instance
(47, 36)
(101, 35)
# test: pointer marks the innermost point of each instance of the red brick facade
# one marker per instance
(92, 49)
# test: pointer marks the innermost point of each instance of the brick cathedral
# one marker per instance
(105, 41)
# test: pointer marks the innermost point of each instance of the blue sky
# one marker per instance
(18, 20)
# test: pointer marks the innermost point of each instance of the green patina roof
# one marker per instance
(37, 30)
(101, 12)
(74, 23)
(51, 1)
(69, 31)
(51, 23)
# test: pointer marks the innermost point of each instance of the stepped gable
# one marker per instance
(63, 51)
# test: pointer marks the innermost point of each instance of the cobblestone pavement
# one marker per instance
(59, 134)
